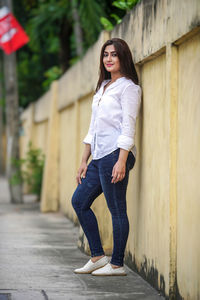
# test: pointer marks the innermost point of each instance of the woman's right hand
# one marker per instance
(81, 172)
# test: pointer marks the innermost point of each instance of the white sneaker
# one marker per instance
(90, 266)
(107, 270)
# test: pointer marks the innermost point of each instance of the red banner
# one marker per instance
(12, 35)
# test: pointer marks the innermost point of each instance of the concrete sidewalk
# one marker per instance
(38, 253)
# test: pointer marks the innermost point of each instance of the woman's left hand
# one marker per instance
(118, 172)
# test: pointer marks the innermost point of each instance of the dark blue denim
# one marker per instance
(98, 179)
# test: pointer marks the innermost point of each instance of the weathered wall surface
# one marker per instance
(188, 167)
(163, 193)
(148, 191)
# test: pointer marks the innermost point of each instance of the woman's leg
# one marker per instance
(116, 200)
(82, 199)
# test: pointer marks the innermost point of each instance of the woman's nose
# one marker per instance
(109, 57)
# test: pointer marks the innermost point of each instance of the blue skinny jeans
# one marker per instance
(98, 179)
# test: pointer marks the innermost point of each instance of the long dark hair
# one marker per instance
(127, 67)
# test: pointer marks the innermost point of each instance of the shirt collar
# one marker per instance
(112, 84)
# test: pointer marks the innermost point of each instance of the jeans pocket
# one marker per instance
(130, 161)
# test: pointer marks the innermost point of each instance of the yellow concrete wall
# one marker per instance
(148, 192)
(163, 195)
(67, 159)
(34, 127)
(40, 136)
(188, 169)
(50, 188)
(34, 122)
(41, 117)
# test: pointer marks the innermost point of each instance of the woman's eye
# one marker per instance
(113, 54)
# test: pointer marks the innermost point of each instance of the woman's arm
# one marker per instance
(83, 167)
(119, 168)
(130, 101)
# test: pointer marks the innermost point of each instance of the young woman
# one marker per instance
(110, 140)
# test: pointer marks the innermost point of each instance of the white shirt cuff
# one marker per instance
(125, 142)
(88, 139)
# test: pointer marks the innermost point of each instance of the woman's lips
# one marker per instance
(109, 65)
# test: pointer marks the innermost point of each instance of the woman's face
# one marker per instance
(110, 60)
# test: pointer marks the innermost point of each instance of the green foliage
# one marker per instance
(29, 170)
(107, 24)
(90, 12)
(16, 178)
(126, 5)
(31, 67)
(52, 46)
(52, 74)
(44, 24)
(73, 60)
(117, 18)
(2, 103)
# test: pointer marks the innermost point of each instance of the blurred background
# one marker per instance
(60, 33)
(49, 69)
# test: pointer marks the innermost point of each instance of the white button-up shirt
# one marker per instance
(113, 119)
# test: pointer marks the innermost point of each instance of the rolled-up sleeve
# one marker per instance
(130, 101)
(89, 136)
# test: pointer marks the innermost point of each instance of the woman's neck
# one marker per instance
(115, 76)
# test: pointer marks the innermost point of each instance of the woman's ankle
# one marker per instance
(115, 266)
(96, 258)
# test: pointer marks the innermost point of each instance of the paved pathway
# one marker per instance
(38, 253)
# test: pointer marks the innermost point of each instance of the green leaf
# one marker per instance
(120, 4)
(106, 23)
(125, 5)
(117, 18)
